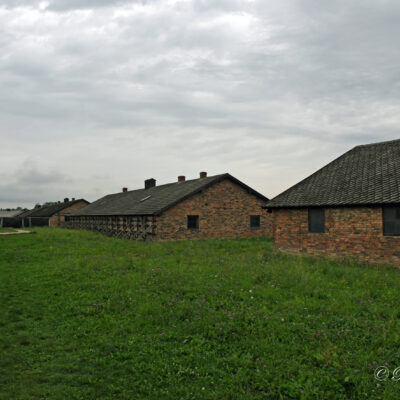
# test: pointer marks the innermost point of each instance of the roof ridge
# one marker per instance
(365, 174)
(163, 197)
(170, 183)
(55, 207)
(312, 174)
(377, 143)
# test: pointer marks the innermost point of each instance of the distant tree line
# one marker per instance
(48, 203)
(37, 205)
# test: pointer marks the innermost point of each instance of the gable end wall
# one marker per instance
(59, 218)
(224, 211)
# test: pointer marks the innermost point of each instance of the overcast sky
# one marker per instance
(100, 94)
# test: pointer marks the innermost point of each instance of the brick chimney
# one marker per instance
(66, 200)
(181, 178)
(124, 190)
(203, 175)
(149, 183)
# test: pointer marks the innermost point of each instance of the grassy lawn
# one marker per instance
(4, 230)
(84, 316)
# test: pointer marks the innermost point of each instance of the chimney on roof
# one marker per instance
(149, 183)
(203, 175)
(181, 178)
(124, 190)
(73, 199)
(66, 200)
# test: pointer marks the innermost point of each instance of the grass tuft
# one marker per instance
(84, 316)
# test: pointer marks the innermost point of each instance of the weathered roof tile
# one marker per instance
(155, 199)
(48, 211)
(365, 175)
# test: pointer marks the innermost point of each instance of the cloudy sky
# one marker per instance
(100, 94)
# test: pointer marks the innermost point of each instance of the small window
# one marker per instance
(255, 221)
(316, 220)
(391, 221)
(193, 222)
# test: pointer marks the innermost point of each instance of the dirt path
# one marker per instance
(18, 232)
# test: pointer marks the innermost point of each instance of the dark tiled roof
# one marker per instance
(366, 175)
(156, 199)
(26, 213)
(48, 211)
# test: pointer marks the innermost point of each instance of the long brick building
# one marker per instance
(51, 215)
(218, 206)
(350, 207)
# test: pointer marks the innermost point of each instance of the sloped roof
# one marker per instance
(365, 175)
(48, 211)
(9, 214)
(26, 213)
(156, 199)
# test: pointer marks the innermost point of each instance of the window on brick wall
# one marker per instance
(255, 221)
(193, 222)
(316, 220)
(391, 221)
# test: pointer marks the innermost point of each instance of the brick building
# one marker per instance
(208, 207)
(53, 215)
(9, 218)
(350, 207)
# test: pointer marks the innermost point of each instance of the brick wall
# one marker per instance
(59, 218)
(224, 211)
(355, 232)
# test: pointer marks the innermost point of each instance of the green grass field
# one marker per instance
(4, 230)
(84, 316)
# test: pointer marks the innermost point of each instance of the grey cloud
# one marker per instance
(79, 4)
(28, 184)
(67, 5)
(28, 174)
(31, 183)
(253, 87)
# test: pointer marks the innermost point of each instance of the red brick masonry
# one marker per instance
(355, 232)
(224, 211)
(59, 218)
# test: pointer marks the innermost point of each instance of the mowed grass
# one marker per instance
(4, 230)
(84, 316)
